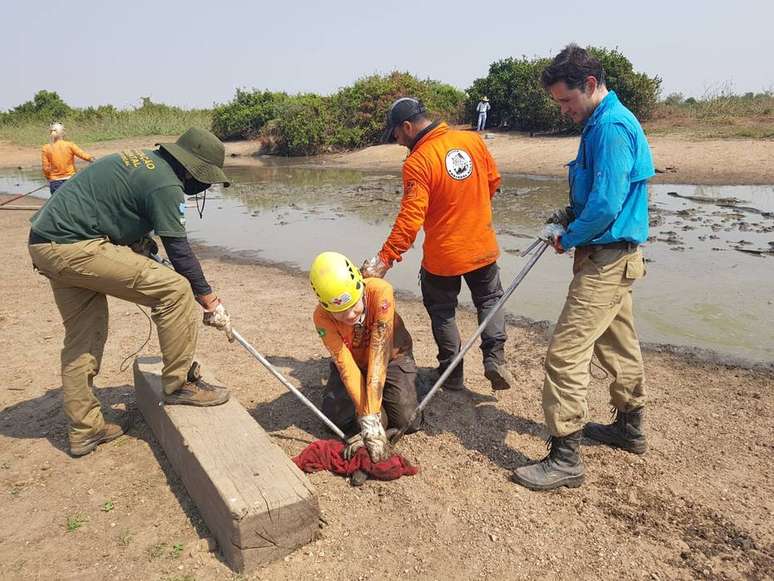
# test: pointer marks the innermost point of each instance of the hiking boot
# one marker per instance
(626, 431)
(110, 432)
(562, 467)
(198, 393)
(498, 375)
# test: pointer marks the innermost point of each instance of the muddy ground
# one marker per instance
(698, 505)
(678, 159)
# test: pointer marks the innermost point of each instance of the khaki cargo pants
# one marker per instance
(597, 319)
(81, 275)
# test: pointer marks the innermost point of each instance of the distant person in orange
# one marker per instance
(449, 178)
(58, 157)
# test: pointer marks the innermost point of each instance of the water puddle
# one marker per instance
(710, 280)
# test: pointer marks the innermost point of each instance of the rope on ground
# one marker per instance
(123, 367)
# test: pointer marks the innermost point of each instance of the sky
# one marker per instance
(196, 53)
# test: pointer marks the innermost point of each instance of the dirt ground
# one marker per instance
(700, 504)
(678, 159)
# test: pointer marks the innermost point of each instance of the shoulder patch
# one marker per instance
(321, 331)
(459, 165)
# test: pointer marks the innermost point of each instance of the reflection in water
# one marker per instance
(700, 290)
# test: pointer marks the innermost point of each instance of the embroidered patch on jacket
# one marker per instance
(458, 164)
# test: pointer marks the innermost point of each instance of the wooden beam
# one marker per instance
(255, 501)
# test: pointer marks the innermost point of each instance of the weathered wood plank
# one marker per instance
(257, 503)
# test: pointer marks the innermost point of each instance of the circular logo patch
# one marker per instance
(458, 164)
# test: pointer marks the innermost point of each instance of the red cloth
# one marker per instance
(326, 455)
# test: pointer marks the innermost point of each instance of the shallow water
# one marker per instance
(700, 291)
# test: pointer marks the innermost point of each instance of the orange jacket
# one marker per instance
(449, 179)
(362, 351)
(58, 159)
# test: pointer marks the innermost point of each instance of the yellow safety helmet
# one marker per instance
(336, 281)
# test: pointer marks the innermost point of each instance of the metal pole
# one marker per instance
(541, 245)
(22, 195)
(273, 370)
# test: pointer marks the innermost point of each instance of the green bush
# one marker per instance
(360, 109)
(45, 108)
(245, 116)
(520, 102)
(309, 124)
(517, 97)
(302, 126)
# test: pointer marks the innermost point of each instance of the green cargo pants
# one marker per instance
(597, 319)
(81, 275)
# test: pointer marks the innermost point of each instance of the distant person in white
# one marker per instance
(482, 107)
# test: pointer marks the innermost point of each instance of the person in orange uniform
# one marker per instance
(372, 366)
(449, 178)
(58, 157)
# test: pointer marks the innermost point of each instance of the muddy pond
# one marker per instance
(710, 256)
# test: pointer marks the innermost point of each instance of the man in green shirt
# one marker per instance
(80, 240)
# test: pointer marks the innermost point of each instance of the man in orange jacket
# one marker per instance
(449, 178)
(372, 365)
(58, 157)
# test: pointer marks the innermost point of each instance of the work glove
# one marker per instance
(374, 437)
(552, 233)
(216, 315)
(354, 443)
(374, 268)
(146, 246)
(561, 216)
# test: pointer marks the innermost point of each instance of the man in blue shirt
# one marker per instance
(606, 222)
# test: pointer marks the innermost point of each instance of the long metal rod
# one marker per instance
(541, 245)
(22, 195)
(273, 370)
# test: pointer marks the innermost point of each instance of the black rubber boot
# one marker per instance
(626, 432)
(562, 467)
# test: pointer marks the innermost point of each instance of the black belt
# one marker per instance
(36, 238)
(628, 246)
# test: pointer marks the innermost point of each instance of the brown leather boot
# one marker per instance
(196, 391)
(110, 432)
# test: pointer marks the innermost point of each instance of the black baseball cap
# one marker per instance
(404, 109)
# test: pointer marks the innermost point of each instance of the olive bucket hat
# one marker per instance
(201, 153)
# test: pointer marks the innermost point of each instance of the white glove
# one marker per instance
(374, 437)
(220, 319)
(374, 268)
(354, 443)
(551, 232)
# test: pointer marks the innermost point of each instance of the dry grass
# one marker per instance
(718, 115)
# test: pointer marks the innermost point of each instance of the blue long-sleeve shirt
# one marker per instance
(609, 179)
